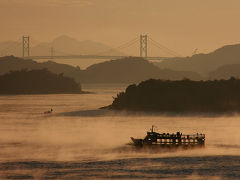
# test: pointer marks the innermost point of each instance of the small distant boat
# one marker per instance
(155, 139)
(49, 111)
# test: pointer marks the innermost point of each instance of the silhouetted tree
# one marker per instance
(181, 96)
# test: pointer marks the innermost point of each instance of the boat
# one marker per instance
(154, 139)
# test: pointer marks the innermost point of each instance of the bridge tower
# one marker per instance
(25, 46)
(143, 45)
(52, 52)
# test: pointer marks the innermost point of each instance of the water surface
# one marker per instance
(79, 141)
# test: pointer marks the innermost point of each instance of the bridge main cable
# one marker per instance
(122, 46)
(160, 46)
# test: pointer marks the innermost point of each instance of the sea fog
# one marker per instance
(80, 141)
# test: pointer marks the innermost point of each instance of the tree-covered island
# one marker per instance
(37, 82)
(180, 96)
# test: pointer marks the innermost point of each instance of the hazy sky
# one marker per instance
(181, 25)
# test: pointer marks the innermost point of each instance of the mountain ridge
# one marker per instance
(204, 63)
(127, 70)
(62, 45)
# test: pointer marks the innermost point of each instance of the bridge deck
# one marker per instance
(91, 57)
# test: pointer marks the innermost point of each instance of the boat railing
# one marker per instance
(193, 136)
(164, 139)
(177, 136)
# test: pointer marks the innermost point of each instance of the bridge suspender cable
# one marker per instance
(122, 46)
(160, 46)
(144, 40)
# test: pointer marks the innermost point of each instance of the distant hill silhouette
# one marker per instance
(181, 96)
(10, 48)
(129, 70)
(70, 45)
(11, 63)
(226, 72)
(63, 45)
(37, 82)
(204, 63)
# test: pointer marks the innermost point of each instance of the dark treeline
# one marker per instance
(181, 96)
(37, 82)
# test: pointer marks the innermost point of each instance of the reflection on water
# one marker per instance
(82, 63)
(80, 141)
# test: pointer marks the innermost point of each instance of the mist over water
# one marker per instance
(80, 141)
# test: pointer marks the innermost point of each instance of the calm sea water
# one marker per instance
(79, 141)
(82, 63)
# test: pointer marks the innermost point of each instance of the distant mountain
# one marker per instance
(226, 72)
(204, 63)
(131, 70)
(128, 70)
(11, 63)
(62, 45)
(70, 45)
(10, 48)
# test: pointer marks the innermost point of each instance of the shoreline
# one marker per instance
(16, 94)
(172, 113)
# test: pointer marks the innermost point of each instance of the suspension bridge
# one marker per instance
(143, 42)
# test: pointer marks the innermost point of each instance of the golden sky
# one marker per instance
(181, 25)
